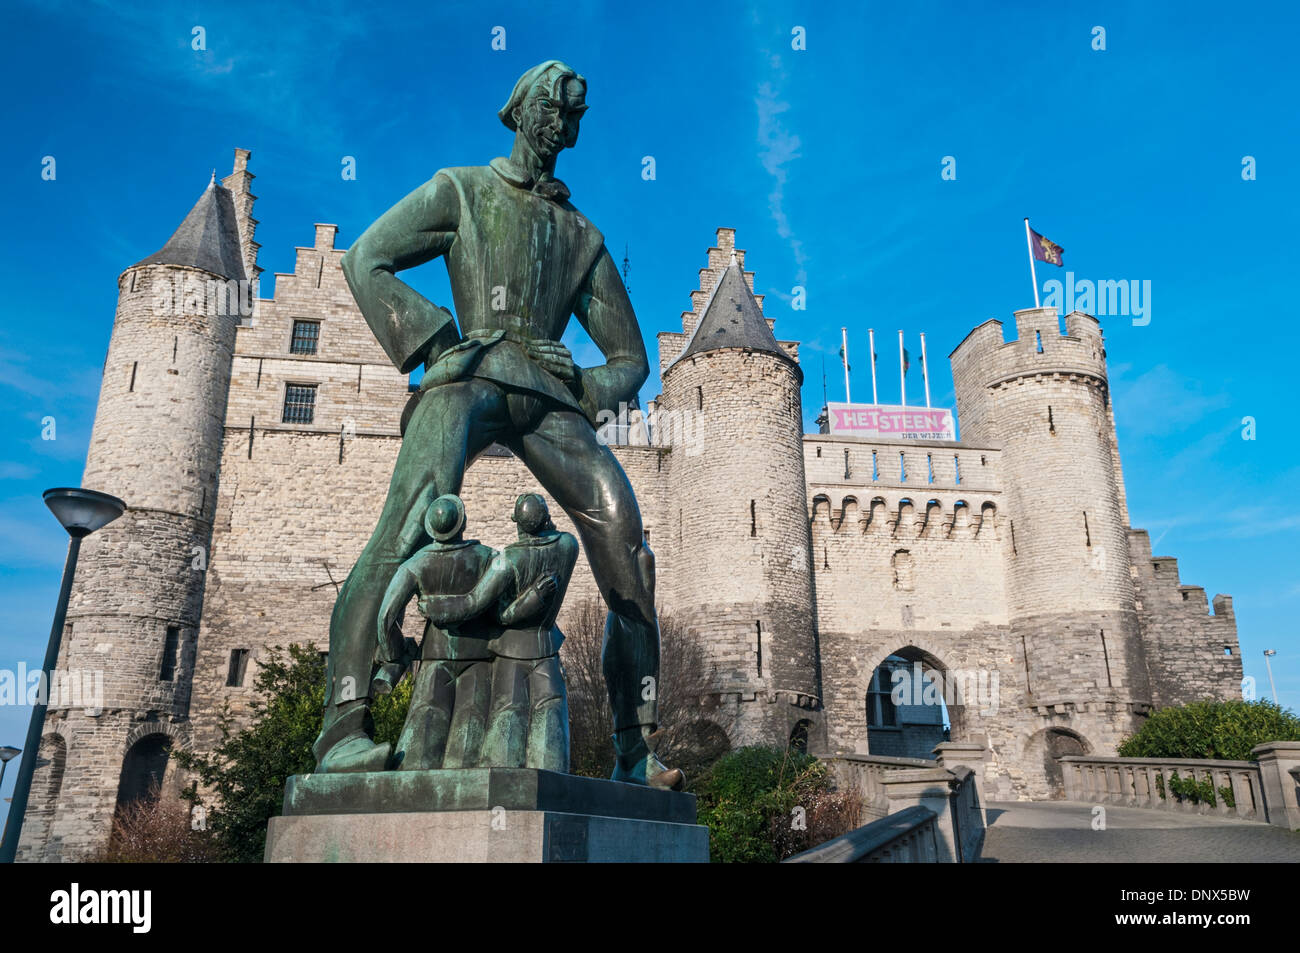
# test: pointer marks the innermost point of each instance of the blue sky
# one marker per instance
(827, 162)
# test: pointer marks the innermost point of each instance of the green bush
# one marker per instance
(762, 805)
(247, 771)
(1222, 730)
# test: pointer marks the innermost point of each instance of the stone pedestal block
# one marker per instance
(482, 815)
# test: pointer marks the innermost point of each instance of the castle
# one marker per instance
(253, 452)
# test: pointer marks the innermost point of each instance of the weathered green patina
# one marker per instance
(522, 260)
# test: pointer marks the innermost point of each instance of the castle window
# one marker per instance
(238, 665)
(1227, 650)
(875, 466)
(902, 563)
(881, 710)
(1087, 534)
(956, 468)
(167, 671)
(753, 518)
(929, 466)
(305, 336)
(299, 404)
(1051, 424)
(134, 366)
(902, 467)
(847, 471)
(758, 643)
(1038, 337)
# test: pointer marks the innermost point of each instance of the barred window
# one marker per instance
(305, 336)
(299, 404)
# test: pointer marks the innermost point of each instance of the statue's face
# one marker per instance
(549, 117)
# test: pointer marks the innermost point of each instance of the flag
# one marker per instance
(1045, 249)
(907, 360)
(844, 360)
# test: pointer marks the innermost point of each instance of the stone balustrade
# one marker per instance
(1149, 782)
(950, 787)
(909, 836)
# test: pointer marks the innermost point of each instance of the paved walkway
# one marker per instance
(1061, 831)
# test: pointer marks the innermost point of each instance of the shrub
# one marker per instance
(156, 830)
(247, 771)
(762, 805)
(1225, 730)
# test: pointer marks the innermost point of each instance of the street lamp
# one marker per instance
(1269, 653)
(81, 512)
(7, 754)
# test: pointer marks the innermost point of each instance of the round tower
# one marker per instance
(128, 649)
(1044, 399)
(731, 409)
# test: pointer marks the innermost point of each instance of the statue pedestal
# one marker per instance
(505, 815)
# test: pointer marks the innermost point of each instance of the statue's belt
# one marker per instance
(463, 360)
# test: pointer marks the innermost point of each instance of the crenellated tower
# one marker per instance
(731, 411)
(135, 607)
(1044, 399)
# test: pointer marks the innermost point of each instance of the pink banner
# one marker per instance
(887, 420)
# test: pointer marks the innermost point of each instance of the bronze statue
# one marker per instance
(521, 259)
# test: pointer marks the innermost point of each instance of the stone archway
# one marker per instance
(1043, 753)
(144, 769)
(910, 712)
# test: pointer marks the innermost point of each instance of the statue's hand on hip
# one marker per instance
(554, 358)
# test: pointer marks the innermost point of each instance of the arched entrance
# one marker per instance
(143, 769)
(1045, 749)
(910, 705)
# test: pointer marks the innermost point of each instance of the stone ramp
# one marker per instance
(1061, 832)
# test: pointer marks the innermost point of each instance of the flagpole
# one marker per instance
(1033, 273)
(902, 367)
(925, 370)
(844, 352)
(871, 342)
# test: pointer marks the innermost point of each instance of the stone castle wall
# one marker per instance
(799, 561)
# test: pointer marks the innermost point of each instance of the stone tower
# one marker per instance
(731, 410)
(1044, 399)
(135, 607)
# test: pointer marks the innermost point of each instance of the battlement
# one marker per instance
(1039, 349)
(896, 517)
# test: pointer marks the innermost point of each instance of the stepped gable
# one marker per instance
(732, 318)
(208, 238)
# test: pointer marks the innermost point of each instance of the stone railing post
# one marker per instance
(953, 754)
(1279, 770)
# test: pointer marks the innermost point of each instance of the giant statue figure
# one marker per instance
(521, 260)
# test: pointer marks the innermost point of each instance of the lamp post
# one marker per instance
(81, 512)
(1268, 654)
(7, 754)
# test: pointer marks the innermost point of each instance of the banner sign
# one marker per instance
(892, 421)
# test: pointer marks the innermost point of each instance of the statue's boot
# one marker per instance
(636, 763)
(345, 745)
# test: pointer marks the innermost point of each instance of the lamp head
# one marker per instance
(83, 511)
